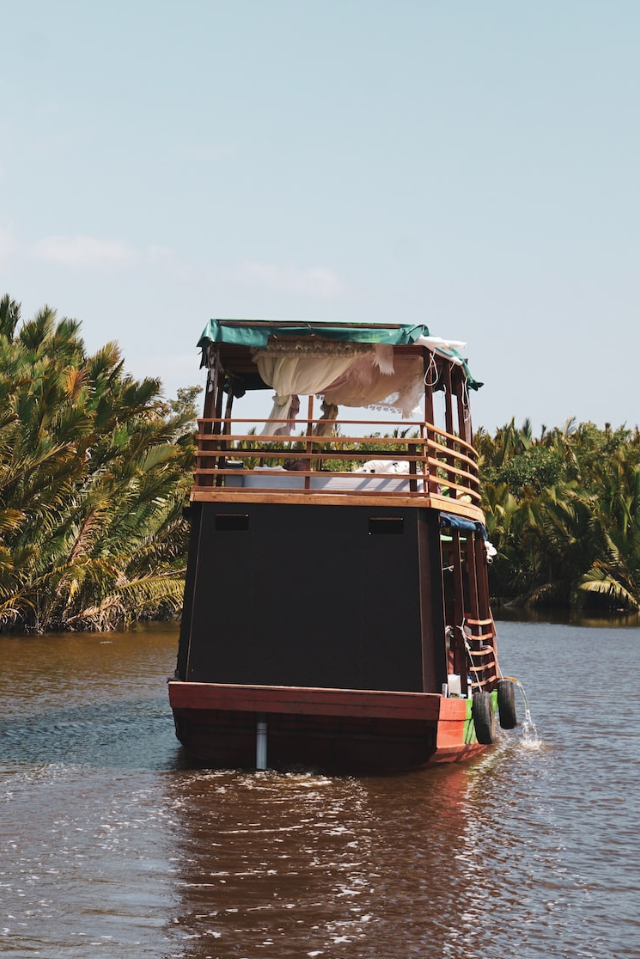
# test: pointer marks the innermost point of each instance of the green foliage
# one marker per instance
(537, 469)
(563, 511)
(94, 466)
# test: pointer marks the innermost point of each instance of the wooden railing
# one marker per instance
(437, 463)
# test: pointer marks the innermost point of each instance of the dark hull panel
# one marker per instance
(308, 596)
(228, 740)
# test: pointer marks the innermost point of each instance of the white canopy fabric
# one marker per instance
(443, 346)
(291, 375)
(367, 385)
(355, 375)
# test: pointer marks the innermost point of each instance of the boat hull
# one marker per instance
(338, 730)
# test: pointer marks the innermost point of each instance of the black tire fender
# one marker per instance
(507, 704)
(484, 718)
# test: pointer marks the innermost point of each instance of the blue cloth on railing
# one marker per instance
(458, 522)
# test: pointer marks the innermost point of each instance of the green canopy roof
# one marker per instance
(255, 333)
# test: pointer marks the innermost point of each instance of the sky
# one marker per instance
(473, 165)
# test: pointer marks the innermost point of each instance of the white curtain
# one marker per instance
(365, 384)
(373, 378)
(290, 375)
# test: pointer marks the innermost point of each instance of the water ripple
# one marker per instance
(111, 846)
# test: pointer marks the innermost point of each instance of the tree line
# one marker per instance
(563, 511)
(95, 467)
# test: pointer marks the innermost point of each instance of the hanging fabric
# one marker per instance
(291, 374)
(398, 386)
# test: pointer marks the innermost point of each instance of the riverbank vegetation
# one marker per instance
(94, 467)
(563, 511)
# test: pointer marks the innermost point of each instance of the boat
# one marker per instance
(336, 611)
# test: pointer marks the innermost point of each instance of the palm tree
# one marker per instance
(563, 511)
(614, 575)
(93, 472)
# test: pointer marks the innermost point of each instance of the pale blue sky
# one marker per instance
(471, 164)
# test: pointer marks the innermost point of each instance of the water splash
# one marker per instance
(530, 738)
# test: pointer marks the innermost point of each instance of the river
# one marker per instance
(111, 846)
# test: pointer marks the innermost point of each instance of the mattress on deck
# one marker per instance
(270, 478)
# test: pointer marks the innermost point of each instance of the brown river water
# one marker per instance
(112, 846)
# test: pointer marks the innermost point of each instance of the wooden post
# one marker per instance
(463, 409)
(206, 446)
(219, 400)
(432, 611)
(448, 393)
(460, 655)
(413, 482)
(430, 485)
(428, 387)
(464, 421)
(309, 444)
(472, 577)
(481, 577)
(218, 427)
(228, 409)
(448, 422)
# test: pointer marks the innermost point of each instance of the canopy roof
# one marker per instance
(239, 338)
(256, 333)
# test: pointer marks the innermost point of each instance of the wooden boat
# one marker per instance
(336, 610)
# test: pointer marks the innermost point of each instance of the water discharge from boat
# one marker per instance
(530, 738)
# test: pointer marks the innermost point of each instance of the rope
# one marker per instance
(431, 380)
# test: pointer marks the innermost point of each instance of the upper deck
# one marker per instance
(316, 455)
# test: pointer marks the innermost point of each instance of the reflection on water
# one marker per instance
(300, 865)
(617, 619)
(110, 845)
